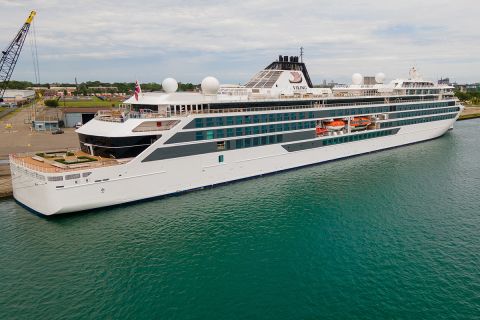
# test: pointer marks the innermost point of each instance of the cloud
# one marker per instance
(108, 40)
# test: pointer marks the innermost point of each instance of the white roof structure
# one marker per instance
(13, 93)
(161, 98)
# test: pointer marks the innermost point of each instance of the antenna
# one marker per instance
(301, 54)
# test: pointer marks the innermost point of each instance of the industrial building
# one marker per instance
(18, 96)
(72, 116)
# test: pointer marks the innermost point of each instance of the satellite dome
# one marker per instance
(169, 85)
(380, 77)
(210, 85)
(357, 79)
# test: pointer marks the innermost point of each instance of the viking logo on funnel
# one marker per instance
(297, 77)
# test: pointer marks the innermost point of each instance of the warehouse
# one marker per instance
(18, 96)
(72, 116)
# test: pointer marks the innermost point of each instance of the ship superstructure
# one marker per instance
(161, 143)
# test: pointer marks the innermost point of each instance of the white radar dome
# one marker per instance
(357, 78)
(210, 85)
(169, 85)
(380, 77)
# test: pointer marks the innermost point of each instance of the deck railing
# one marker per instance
(19, 160)
(124, 114)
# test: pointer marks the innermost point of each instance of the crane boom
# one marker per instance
(11, 53)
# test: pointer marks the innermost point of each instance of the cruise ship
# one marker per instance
(161, 143)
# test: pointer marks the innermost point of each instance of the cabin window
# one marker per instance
(199, 135)
(220, 158)
(210, 134)
(199, 123)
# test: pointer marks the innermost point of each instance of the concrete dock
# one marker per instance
(16, 136)
(5, 181)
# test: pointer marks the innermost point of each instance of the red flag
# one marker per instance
(138, 90)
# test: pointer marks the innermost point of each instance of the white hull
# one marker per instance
(141, 180)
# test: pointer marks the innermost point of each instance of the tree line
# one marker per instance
(85, 88)
(470, 96)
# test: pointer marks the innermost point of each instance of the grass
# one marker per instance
(54, 154)
(95, 102)
(469, 116)
(81, 159)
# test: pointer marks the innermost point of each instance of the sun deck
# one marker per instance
(62, 161)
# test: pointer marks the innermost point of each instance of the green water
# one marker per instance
(395, 234)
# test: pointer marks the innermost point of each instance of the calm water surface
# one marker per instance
(394, 234)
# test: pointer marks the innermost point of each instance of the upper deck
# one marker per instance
(129, 111)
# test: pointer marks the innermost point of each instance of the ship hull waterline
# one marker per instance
(160, 178)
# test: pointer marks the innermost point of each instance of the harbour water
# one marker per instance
(393, 234)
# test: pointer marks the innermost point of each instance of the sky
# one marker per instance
(123, 41)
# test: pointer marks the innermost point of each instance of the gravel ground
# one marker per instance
(20, 138)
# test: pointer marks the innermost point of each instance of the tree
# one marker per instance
(51, 103)
(461, 95)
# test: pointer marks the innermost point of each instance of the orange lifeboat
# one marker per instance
(335, 125)
(358, 123)
(320, 131)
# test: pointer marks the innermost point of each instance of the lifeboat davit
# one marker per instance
(335, 125)
(358, 123)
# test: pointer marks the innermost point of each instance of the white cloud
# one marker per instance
(109, 40)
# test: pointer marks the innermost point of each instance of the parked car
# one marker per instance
(57, 131)
(78, 125)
